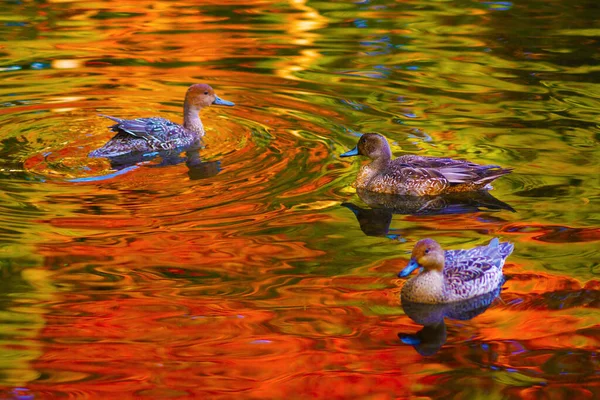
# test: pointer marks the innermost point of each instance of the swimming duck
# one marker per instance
(453, 275)
(160, 134)
(417, 175)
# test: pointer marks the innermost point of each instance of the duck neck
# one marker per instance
(381, 162)
(192, 121)
(368, 171)
(436, 262)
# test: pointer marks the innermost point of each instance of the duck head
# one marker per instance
(427, 254)
(372, 145)
(202, 95)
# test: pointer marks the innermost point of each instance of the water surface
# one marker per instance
(249, 275)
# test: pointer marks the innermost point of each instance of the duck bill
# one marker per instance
(220, 102)
(412, 265)
(350, 153)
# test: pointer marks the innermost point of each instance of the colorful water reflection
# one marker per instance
(237, 271)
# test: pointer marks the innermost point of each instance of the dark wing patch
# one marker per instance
(160, 127)
(155, 131)
(505, 249)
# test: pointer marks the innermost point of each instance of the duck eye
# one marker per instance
(426, 251)
(205, 92)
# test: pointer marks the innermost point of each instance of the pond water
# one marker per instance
(257, 270)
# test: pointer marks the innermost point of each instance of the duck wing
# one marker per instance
(475, 263)
(466, 271)
(456, 171)
(433, 162)
(153, 129)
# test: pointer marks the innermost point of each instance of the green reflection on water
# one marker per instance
(516, 87)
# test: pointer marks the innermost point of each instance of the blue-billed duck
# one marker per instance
(417, 175)
(453, 275)
(160, 134)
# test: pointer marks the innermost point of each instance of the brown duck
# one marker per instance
(417, 175)
(144, 135)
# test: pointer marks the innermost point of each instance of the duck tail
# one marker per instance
(472, 174)
(498, 252)
(117, 120)
(506, 248)
(490, 173)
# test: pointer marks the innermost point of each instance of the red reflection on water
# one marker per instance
(242, 285)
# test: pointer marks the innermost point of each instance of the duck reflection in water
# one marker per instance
(197, 169)
(375, 221)
(430, 339)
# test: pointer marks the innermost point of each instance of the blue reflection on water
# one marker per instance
(499, 5)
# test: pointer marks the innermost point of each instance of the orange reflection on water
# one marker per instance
(246, 277)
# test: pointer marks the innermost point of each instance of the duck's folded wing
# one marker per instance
(466, 272)
(434, 162)
(455, 171)
(467, 265)
(154, 129)
(418, 173)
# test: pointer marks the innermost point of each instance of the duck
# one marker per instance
(453, 275)
(415, 175)
(156, 134)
